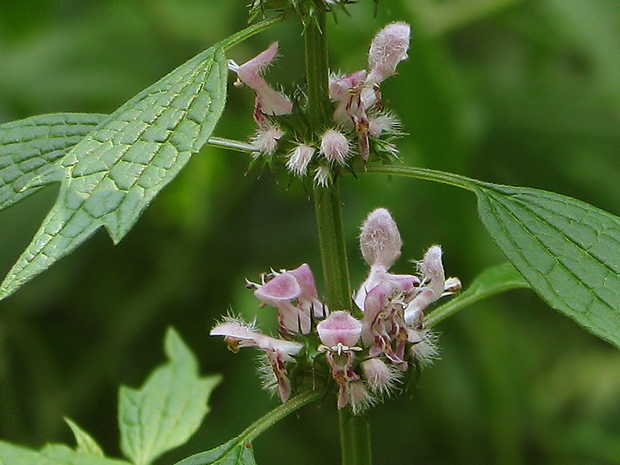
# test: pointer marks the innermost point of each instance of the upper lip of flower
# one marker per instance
(268, 100)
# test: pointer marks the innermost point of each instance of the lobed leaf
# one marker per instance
(85, 442)
(119, 167)
(491, 281)
(34, 146)
(53, 454)
(168, 409)
(567, 250)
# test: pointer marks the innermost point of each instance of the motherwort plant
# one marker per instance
(363, 344)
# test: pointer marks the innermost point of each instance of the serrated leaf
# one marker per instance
(491, 281)
(85, 443)
(567, 250)
(234, 452)
(33, 146)
(121, 165)
(53, 454)
(168, 409)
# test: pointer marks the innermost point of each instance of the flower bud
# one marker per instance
(299, 159)
(358, 396)
(380, 241)
(379, 376)
(381, 123)
(423, 346)
(322, 176)
(335, 147)
(266, 139)
(388, 48)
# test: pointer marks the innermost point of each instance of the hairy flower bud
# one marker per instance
(358, 397)
(335, 147)
(322, 176)
(299, 159)
(388, 48)
(379, 376)
(380, 240)
(265, 141)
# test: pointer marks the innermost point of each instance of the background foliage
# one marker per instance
(511, 91)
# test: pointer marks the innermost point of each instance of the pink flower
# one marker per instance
(339, 330)
(339, 333)
(366, 354)
(295, 296)
(346, 91)
(357, 93)
(432, 287)
(385, 330)
(268, 100)
(239, 334)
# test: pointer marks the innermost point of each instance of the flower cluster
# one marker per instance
(358, 116)
(367, 351)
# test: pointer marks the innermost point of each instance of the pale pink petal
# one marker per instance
(339, 328)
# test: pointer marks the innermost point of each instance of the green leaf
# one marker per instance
(120, 166)
(233, 452)
(168, 409)
(492, 281)
(567, 250)
(33, 146)
(53, 454)
(85, 443)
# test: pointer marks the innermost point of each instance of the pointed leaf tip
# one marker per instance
(121, 165)
(567, 250)
(169, 407)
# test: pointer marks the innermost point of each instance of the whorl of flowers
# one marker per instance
(364, 353)
(360, 125)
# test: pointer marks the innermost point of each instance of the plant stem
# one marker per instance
(266, 422)
(355, 439)
(333, 248)
(317, 68)
(354, 431)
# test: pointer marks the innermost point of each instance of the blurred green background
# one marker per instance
(511, 91)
